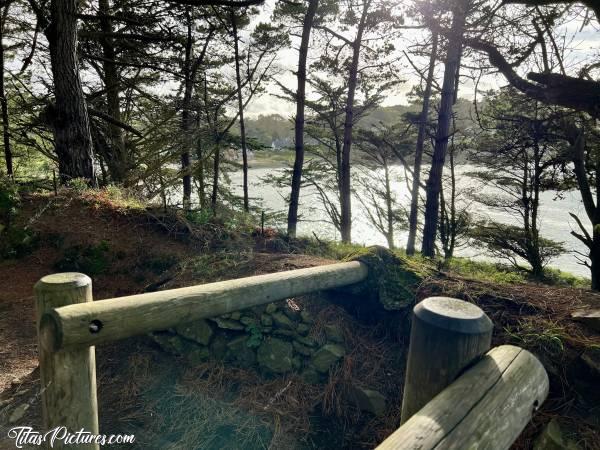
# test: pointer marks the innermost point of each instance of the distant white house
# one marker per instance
(235, 154)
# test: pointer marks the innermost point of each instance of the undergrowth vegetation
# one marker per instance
(212, 405)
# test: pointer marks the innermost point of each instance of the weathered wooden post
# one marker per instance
(487, 407)
(68, 376)
(447, 335)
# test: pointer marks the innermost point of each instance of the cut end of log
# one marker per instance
(453, 315)
(62, 281)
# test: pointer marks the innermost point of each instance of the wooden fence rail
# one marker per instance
(486, 407)
(118, 318)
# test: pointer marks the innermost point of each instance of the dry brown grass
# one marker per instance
(164, 400)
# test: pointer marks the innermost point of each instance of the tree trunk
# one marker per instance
(441, 140)
(576, 138)
(299, 122)
(595, 258)
(538, 268)
(116, 158)
(452, 219)
(186, 117)
(215, 186)
(70, 120)
(416, 182)
(3, 99)
(346, 191)
(238, 79)
(389, 206)
(200, 172)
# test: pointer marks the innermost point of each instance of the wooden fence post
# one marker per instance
(68, 376)
(447, 335)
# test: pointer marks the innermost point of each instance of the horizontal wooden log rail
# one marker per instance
(487, 407)
(92, 323)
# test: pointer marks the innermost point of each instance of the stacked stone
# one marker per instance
(274, 338)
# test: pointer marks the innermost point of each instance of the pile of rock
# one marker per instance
(276, 339)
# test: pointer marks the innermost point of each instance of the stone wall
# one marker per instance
(275, 339)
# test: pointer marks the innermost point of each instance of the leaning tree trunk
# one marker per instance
(69, 116)
(116, 157)
(416, 182)
(346, 190)
(434, 182)
(299, 122)
(238, 79)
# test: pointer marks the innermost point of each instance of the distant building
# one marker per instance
(235, 154)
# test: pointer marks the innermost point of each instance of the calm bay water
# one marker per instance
(555, 222)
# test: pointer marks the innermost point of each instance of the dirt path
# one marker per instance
(18, 351)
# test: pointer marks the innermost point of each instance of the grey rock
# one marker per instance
(275, 355)
(286, 333)
(271, 308)
(552, 438)
(172, 343)
(199, 331)
(310, 376)
(266, 320)
(228, 324)
(307, 341)
(306, 317)
(240, 353)
(219, 348)
(368, 400)
(282, 321)
(334, 334)
(302, 349)
(198, 355)
(297, 363)
(303, 329)
(236, 315)
(249, 321)
(327, 356)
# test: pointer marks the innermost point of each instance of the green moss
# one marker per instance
(394, 279)
(328, 249)
(501, 273)
(559, 278)
(485, 271)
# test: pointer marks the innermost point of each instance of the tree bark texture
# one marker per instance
(69, 114)
(413, 218)
(434, 182)
(299, 121)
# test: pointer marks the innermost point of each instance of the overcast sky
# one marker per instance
(582, 43)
